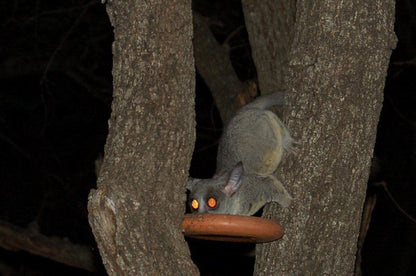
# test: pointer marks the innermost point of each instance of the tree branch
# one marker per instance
(214, 65)
(270, 45)
(15, 238)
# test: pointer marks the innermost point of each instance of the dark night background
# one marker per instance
(55, 96)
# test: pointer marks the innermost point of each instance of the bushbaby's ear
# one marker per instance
(234, 181)
(191, 183)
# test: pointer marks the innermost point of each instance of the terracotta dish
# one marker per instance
(233, 228)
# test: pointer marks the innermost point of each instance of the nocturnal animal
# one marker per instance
(250, 150)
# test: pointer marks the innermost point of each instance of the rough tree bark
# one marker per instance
(136, 212)
(338, 63)
(270, 27)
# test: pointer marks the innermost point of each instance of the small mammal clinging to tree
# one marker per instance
(250, 150)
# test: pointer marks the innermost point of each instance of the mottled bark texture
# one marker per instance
(338, 63)
(270, 27)
(136, 212)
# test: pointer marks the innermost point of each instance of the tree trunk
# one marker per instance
(338, 63)
(136, 212)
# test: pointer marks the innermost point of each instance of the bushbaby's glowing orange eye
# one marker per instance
(195, 204)
(212, 202)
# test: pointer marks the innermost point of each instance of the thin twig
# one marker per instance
(57, 49)
(55, 12)
(384, 185)
(232, 34)
(399, 113)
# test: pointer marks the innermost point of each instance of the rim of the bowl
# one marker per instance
(234, 228)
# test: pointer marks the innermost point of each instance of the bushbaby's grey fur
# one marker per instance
(250, 150)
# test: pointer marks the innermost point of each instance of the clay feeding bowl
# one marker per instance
(233, 228)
